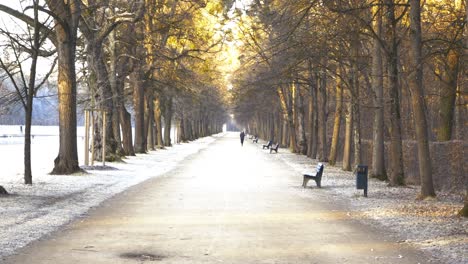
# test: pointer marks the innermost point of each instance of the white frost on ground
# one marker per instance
(33, 211)
(30, 212)
(431, 225)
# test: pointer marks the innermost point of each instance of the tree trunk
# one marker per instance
(418, 102)
(27, 139)
(285, 102)
(66, 161)
(197, 127)
(182, 128)
(117, 102)
(290, 94)
(337, 120)
(67, 14)
(150, 121)
(126, 122)
(145, 119)
(95, 30)
(301, 137)
(149, 39)
(355, 102)
(193, 129)
(168, 121)
(277, 127)
(378, 150)
(448, 95)
(104, 100)
(310, 122)
(272, 128)
(322, 118)
(283, 128)
(348, 132)
(396, 176)
(139, 109)
(313, 115)
(188, 128)
(29, 97)
(158, 123)
(122, 68)
(464, 210)
(202, 125)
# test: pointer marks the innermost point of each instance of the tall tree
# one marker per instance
(348, 131)
(464, 210)
(418, 102)
(322, 114)
(139, 108)
(300, 127)
(378, 161)
(337, 118)
(313, 112)
(120, 45)
(96, 27)
(66, 15)
(26, 89)
(396, 175)
(443, 43)
(355, 97)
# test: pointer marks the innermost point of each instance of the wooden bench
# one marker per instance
(274, 147)
(3, 191)
(267, 146)
(317, 176)
(255, 140)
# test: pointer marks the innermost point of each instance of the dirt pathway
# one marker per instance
(226, 204)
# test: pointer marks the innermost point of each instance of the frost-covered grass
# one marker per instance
(431, 225)
(52, 201)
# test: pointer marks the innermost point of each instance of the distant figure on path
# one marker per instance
(242, 135)
(21, 129)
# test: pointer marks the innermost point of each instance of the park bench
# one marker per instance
(255, 140)
(317, 176)
(267, 146)
(274, 147)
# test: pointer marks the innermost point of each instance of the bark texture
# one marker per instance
(322, 118)
(69, 12)
(378, 151)
(139, 108)
(418, 102)
(464, 210)
(348, 132)
(336, 120)
(396, 175)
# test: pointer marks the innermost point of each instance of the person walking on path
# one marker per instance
(242, 135)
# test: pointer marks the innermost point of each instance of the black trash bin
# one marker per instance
(361, 178)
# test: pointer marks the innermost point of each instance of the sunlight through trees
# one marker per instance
(377, 82)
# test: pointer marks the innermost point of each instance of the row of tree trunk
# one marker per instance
(300, 119)
(116, 40)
